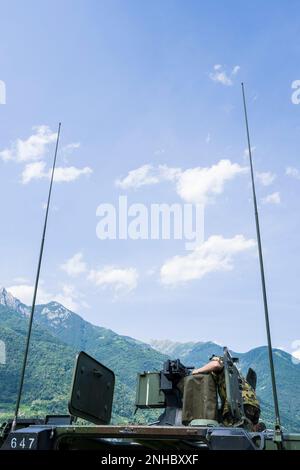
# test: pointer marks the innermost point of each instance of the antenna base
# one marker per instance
(278, 436)
(14, 424)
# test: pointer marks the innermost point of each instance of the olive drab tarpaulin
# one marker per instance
(199, 400)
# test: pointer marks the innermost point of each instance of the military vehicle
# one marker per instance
(92, 392)
(91, 399)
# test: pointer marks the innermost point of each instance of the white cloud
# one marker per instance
(266, 178)
(235, 69)
(220, 75)
(196, 185)
(147, 175)
(75, 265)
(136, 178)
(67, 174)
(67, 151)
(216, 254)
(70, 173)
(31, 149)
(33, 171)
(199, 185)
(246, 151)
(117, 278)
(24, 292)
(70, 147)
(293, 172)
(273, 198)
(68, 296)
(296, 355)
(296, 351)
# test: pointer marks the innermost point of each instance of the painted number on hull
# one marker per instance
(22, 442)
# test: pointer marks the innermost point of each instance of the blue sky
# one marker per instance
(153, 83)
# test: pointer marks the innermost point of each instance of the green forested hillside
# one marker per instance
(126, 356)
(58, 334)
(50, 366)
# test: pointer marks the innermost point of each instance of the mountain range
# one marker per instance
(58, 334)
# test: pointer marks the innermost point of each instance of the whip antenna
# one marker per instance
(278, 429)
(35, 289)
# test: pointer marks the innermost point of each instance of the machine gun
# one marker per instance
(234, 386)
(233, 383)
(159, 390)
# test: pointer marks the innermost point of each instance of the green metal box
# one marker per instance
(148, 393)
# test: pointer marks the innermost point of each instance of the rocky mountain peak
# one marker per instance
(55, 312)
(8, 300)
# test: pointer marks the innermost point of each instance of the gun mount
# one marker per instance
(159, 390)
